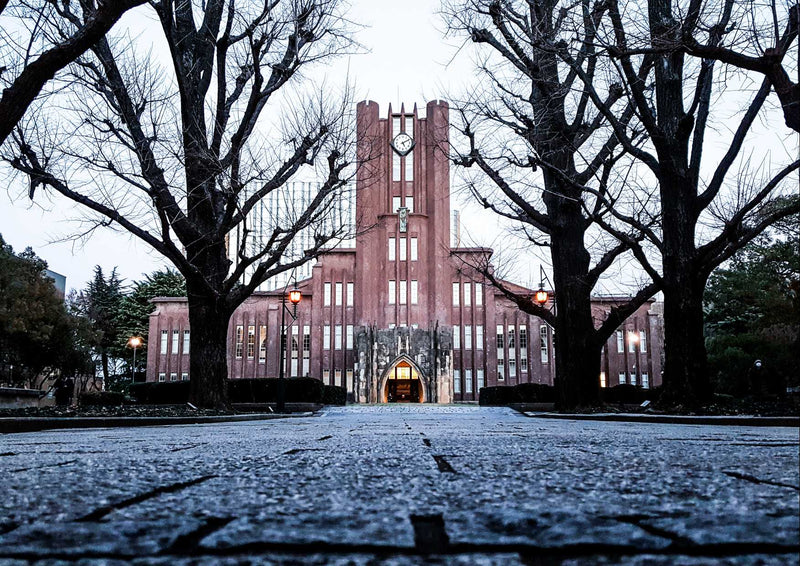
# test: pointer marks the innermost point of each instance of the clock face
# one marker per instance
(403, 144)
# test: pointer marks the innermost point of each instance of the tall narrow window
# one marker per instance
(262, 344)
(633, 378)
(523, 363)
(409, 200)
(414, 250)
(403, 292)
(164, 341)
(395, 204)
(251, 342)
(645, 380)
(512, 367)
(409, 170)
(468, 337)
(396, 164)
(456, 381)
(392, 248)
(622, 378)
(479, 294)
(414, 292)
(349, 377)
(338, 294)
(176, 341)
(326, 376)
(326, 294)
(620, 342)
(392, 291)
(523, 338)
(481, 380)
(468, 380)
(467, 294)
(409, 125)
(603, 379)
(350, 294)
(349, 339)
(337, 376)
(456, 337)
(306, 342)
(326, 337)
(642, 346)
(239, 341)
(337, 338)
(456, 291)
(501, 369)
(545, 351)
(512, 342)
(632, 338)
(479, 337)
(500, 339)
(403, 249)
(186, 340)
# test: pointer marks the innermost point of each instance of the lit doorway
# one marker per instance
(403, 384)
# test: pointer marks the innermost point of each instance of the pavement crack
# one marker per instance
(101, 512)
(58, 465)
(430, 536)
(444, 465)
(638, 521)
(296, 450)
(326, 437)
(753, 479)
(187, 543)
(187, 447)
(8, 453)
(8, 527)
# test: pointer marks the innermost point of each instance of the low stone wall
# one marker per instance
(13, 397)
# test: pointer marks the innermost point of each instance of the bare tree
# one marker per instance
(181, 157)
(708, 210)
(35, 71)
(549, 162)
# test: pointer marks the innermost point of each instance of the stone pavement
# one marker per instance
(402, 485)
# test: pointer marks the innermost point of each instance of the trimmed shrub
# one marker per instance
(534, 393)
(298, 390)
(155, 393)
(496, 396)
(101, 399)
(626, 394)
(334, 395)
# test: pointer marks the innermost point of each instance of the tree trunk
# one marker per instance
(208, 353)
(104, 360)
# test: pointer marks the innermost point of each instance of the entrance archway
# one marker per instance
(403, 383)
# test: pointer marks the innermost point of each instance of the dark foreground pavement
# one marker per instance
(402, 485)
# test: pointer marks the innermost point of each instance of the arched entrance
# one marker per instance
(403, 383)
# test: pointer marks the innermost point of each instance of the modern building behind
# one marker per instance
(400, 314)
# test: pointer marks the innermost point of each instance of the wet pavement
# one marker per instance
(402, 484)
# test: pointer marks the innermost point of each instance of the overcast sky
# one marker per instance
(406, 61)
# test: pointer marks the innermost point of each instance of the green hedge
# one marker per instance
(298, 390)
(334, 395)
(101, 399)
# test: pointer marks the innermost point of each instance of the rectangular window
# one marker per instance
(501, 376)
(338, 294)
(403, 292)
(642, 342)
(392, 248)
(409, 125)
(620, 342)
(481, 380)
(349, 337)
(337, 376)
(622, 378)
(543, 346)
(633, 378)
(603, 379)
(468, 380)
(326, 337)
(645, 381)
(512, 367)
(523, 338)
(396, 163)
(414, 249)
(523, 363)
(479, 294)
(164, 340)
(251, 342)
(409, 168)
(262, 344)
(468, 337)
(456, 337)
(512, 338)
(414, 292)
(184, 376)
(396, 125)
(403, 255)
(326, 294)
(500, 338)
(173, 377)
(349, 374)
(162, 377)
(467, 294)
(409, 200)
(239, 341)
(306, 342)
(392, 291)
(456, 291)
(326, 376)
(456, 381)
(186, 340)
(350, 294)
(395, 204)
(632, 341)
(479, 337)
(337, 338)
(175, 341)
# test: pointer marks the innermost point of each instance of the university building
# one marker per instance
(398, 314)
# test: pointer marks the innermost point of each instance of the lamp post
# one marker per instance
(134, 342)
(294, 298)
(541, 296)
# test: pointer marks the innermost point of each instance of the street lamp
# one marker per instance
(541, 296)
(134, 342)
(294, 297)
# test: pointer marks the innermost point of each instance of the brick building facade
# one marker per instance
(400, 316)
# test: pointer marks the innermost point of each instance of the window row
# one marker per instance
(337, 290)
(402, 250)
(399, 292)
(634, 338)
(261, 342)
(468, 337)
(337, 378)
(467, 295)
(162, 377)
(171, 346)
(631, 378)
(467, 380)
(337, 337)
